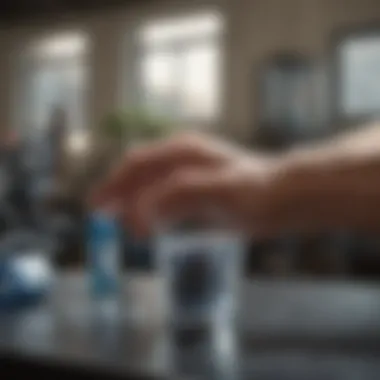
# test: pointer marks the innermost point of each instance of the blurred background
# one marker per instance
(81, 81)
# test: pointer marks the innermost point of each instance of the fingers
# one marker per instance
(143, 167)
(185, 194)
(124, 172)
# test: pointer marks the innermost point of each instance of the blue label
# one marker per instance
(103, 254)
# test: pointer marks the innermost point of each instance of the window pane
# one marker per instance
(360, 89)
(44, 95)
(159, 82)
(180, 74)
(55, 77)
(73, 93)
(200, 82)
(62, 86)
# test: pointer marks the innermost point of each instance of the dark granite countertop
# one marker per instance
(286, 329)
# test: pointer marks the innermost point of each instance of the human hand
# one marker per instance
(183, 175)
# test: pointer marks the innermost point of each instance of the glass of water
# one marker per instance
(200, 271)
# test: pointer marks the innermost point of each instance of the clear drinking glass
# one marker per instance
(200, 269)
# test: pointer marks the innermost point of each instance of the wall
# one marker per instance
(260, 27)
(255, 29)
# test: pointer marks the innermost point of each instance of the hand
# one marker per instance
(181, 176)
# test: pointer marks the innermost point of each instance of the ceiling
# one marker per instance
(18, 11)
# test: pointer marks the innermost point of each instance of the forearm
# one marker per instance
(334, 185)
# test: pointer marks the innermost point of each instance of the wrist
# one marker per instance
(298, 189)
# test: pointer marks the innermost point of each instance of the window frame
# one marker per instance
(141, 50)
(339, 37)
(28, 64)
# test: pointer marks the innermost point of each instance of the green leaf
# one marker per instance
(134, 124)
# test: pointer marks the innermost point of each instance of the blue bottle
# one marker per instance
(103, 255)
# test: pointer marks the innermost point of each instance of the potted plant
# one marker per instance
(123, 128)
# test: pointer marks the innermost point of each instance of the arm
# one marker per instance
(334, 185)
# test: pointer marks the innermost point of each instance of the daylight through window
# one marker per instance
(180, 67)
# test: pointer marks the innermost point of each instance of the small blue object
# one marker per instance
(103, 254)
(25, 280)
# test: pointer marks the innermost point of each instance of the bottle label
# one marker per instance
(103, 255)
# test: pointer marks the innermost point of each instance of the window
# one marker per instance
(358, 67)
(53, 76)
(180, 67)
